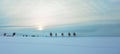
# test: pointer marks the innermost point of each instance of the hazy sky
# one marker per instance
(45, 13)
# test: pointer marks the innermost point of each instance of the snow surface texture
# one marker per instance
(60, 45)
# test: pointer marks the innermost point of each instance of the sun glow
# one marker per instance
(40, 28)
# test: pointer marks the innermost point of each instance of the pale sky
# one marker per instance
(45, 13)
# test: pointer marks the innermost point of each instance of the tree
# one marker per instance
(74, 34)
(51, 34)
(69, 34)
(5, 34)
(14, 34)
(55, 34)
(62, 34)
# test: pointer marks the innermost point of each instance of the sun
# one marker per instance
(40, 28)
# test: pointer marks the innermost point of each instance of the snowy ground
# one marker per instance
(59, 45)
(91, 39)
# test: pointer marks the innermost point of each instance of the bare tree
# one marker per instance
(74, 34)
(69, 34)
(26, 35)
(55, 34)
(14, 34)
(5, 34)
(62, 34)
(51, 34)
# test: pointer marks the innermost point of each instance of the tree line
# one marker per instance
(51, 34)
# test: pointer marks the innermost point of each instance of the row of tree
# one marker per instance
(51, 34)
(13, 34)
(62, 34)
